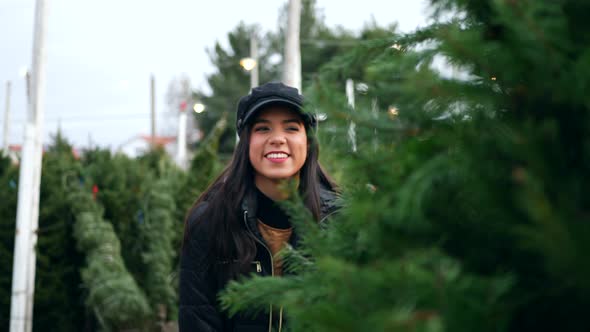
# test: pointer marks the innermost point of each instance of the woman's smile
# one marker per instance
(277, 156)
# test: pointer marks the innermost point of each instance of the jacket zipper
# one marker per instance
(272, 270)
(258, 266)
(272, 266)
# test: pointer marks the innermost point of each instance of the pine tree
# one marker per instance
(93, 272)
(231, 81)
(119, 182)
(112, 293)
(8, 201)
(138, 195)
(159, 232)
(466, 211)
(319, 45)
(57, 304)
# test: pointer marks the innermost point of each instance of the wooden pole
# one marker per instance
(292, 70)
(27, 215)
(181, 139)
(153, 109)
(6, 133)
(254, 55)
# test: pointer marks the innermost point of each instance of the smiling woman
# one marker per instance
(236, 227)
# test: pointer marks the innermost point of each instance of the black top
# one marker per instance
(199, 285)
(270, 213)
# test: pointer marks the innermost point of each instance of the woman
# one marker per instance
(236, 228)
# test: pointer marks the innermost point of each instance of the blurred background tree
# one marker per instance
(319, 44)
(231, 81)
(8, 199)
(57, 257)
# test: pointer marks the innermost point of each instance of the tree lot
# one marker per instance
(464, 205)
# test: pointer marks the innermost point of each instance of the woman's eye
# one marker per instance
(293, 128)
(260, 128)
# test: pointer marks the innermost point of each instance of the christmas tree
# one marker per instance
(8, 201)
(57, 304)
(95, 273)
(130, 257)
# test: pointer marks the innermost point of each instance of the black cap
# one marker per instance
(273, 93)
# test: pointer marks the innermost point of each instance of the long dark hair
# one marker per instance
(230, 249)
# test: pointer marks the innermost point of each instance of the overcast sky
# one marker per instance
(100, 54)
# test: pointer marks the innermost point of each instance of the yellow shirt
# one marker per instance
(276, 239)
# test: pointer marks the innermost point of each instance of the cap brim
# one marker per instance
(267, 102)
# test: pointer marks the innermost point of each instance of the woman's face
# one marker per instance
(278, 145)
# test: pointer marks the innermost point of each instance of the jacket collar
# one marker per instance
(328, 205)
(249, 211)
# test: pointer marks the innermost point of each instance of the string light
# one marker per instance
(199, 108)
(248, 63)
(393, 111)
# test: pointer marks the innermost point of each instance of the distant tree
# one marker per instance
(107, 241)
(319, 45)
(111, 292)
(230, 81)
(57, 256)
(8, 201)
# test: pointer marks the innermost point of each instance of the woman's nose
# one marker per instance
(277, 139)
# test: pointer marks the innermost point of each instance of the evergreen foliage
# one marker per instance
(113, 294)
(157, 231)
(120, 183)
(139, 196)
(8, 201)
(56, 255)
(231, 81)
(319, 44)
(73, 293)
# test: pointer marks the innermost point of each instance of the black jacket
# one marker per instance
(198, 310)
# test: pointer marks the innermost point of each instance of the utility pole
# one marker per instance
(251, 65)
(6, 132)
(292, 70)
(181, 139)
(153, 109)
(27, 214)
(352, 127)
(254, 56)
